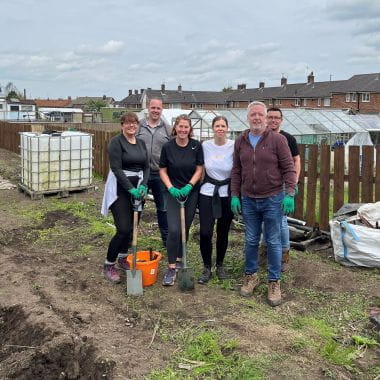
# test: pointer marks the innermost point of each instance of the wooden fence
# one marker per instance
(327, 181)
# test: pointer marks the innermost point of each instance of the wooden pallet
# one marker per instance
(64, 193)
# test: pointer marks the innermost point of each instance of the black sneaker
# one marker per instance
(205, 277)
(178, 265)
(169, 277)
(221, 273)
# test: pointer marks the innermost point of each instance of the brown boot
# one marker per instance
(263, 256)
(249, 284)
(274, 293)
(285, 261)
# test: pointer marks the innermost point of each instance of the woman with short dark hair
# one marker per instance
(125, 184)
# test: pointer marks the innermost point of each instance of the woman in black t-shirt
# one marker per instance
(181, 165)
(126, 182)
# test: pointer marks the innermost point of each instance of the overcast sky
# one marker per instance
(91, 47)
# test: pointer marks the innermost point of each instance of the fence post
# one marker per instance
(353, 174)
(377, 178)
(301, 184)
(338, 178)
(324, 187)
(367, 174)
(312, 174)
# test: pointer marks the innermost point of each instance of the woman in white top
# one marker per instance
(214, 198)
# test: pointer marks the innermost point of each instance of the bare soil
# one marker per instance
(59, 319)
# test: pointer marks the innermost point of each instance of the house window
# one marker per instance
(326, 102)
(14, 108)
(297, 102)
(1, 106)
(319, 102)
(353, 97)
(348, 97)
(278, 102)
(271, 102)
(304, 102)
(193, 105)
(200, 105)
(26, 108)
(365, 97)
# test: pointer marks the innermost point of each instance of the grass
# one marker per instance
(205, 355)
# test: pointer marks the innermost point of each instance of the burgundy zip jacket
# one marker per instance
(263, 171)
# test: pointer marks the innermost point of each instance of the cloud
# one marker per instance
(109, 48)
(354, 9)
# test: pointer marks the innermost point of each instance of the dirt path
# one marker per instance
(59, 319)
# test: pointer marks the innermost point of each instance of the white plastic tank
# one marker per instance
(58, 161)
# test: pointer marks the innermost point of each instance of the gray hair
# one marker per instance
(257, 103)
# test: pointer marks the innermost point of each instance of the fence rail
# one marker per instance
(327, 179)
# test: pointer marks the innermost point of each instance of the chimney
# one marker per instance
(241, 86)
(149, 88)
(24, 93)
(284, 81)
(104, 97)
(179, 88)
(141, 90)
(310, 78)
(136, 92)
(129, 92)
(261, 84)
(163, 87)
(69, 98)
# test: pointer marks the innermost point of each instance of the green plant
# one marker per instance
(364, 341)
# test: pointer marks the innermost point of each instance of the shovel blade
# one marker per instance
(185, 279)
(134, 283)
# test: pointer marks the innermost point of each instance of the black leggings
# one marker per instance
(122, 211)
(207, 222)
(174, 242)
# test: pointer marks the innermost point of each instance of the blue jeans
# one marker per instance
(285, 238)
(255, 212)
(158, 189)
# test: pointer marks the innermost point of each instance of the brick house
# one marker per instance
(360, 93)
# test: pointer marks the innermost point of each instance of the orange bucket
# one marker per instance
(149, 268)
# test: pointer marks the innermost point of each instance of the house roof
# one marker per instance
(175, 96)
(132, 99)
(53, 103)
(83, 100)
(357, 83)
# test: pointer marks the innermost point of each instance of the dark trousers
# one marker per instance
(207, 222)
(122, 212)
(174, 242)
(158, 190)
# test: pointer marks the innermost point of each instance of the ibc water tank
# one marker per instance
(55, 162)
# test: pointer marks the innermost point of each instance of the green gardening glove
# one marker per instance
(185, 191)
(235, 205)
(174, 192)
(135, 193)
(143, 190)
(288, 204)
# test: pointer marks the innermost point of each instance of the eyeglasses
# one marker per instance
(130, 123)
(274, 117)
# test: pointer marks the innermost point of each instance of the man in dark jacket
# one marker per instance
(155, 133)
(262, 168)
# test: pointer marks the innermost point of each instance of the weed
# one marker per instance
(300, 344)
(337, 354)
(206, 357)
(364, 341)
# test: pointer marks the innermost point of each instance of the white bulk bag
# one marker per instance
(355, 245)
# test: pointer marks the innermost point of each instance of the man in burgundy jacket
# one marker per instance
(263, 167)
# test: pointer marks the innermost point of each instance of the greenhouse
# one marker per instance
(308, 126)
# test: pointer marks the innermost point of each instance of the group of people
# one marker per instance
(255, 175)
